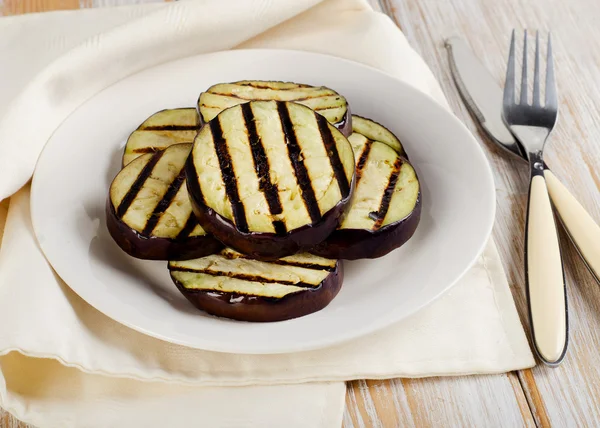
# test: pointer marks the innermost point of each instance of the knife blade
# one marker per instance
(483, 97)
(481, 94)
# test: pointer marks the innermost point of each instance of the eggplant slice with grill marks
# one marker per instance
(161, 130)
(148, 211)
(376, 132)
(386, 205)
(269, 178)
(231, 285)
(324, 101)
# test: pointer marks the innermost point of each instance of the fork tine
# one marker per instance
(536, 73)
(509, 84)
(551, 98)
(523, 98)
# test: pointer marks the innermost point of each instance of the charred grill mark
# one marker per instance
(209, 106)
(295, 154)
(143, 150)
(190, 224)
(230, 95)
(326, 108)
(164, 203)
(261, 165)
(170, 128)
(308, 97)
(313, 266)
(137, 185)
(253, 85)
(231, 296)
(258, 86)
(279, 226)
(192, 181)
(362, 160)
(334, 156)
(243, 276)
(326, 94)
(387, 194)
(228, 176)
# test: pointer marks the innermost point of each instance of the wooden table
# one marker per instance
(565, 396)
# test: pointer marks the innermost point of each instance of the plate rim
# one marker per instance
(381, 323)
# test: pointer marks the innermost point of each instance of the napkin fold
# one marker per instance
(63, 363)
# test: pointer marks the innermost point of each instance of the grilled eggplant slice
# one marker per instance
(161, 130)
(324, 101)
(231, 285)
(376, 132)
(270, 178)
(148, 211)
(386, 205)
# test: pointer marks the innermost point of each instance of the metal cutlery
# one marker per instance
(532, 124)
(483, 98)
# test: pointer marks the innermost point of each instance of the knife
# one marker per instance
(483, 98)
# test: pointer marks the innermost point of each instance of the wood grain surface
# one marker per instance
(565, 396)
(568, 395)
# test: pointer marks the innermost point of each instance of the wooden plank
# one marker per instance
(438, 402)
(16, 7)
(8, 421)
(534, 398)
(524, 406)
(376, 403)
(476, 401)
(570, 394)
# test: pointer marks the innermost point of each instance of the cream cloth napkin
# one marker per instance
(62, 363)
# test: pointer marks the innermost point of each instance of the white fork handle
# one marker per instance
(545, 278)
(582, 229)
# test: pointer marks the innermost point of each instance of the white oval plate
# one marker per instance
(77, 165)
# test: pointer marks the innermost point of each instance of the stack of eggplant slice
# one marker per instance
(255, 196)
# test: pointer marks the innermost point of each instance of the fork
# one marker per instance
(531, 124)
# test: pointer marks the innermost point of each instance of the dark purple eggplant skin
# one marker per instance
(265, 309)
(155, 248)
(354, 244)
(344, 125)
(261, 245)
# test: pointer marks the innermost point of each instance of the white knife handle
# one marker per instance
(582, 229)
(545, 278)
